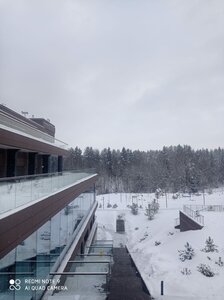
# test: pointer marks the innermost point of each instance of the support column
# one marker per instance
(60, 164)
(21, 163)
(3, 163)
(11, 162)
(31, 163)
(45, 163)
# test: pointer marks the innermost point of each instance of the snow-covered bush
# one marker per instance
(134, 208)
(175, 196)
(157, 243)
(205, 270)
(145, 236)
(115, 205)
(210, 246)
(197, 194)
(120, 216)
(210, 208)
(186, 271)
(220, 262)
(170, 233)
(210, 191)
(109, 205)
(186, 254)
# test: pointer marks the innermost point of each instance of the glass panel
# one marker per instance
(63, 228)
(103, 243)
(5, 292)
(102, 250)
(84, 286)
(90, 265)
(43, 253)
(7, 272)
(17, 191)
(27, 249)
(76, 218)
(70, 220)
(25, 271)
(55, 236)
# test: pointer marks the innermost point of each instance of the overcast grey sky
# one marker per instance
(114, 73)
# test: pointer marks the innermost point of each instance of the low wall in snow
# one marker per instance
(186, 223)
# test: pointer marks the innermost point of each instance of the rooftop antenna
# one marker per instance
(24, 113)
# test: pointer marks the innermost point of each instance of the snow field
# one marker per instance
(161, 262)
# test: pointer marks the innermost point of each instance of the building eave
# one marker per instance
(13, 140)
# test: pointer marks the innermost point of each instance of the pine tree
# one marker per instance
(210, 246)
(88, 157)
(155, 206)
(152, 209)
(174, 169)
(149, 212)
(186, 254)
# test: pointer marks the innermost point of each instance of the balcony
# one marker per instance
(21, 191)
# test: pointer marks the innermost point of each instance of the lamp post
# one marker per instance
(103, 202)
(203, 193)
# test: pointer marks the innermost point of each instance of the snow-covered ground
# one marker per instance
(161, 262)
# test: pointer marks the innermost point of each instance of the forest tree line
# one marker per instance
(172, 169)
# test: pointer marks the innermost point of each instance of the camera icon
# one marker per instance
(15, 284)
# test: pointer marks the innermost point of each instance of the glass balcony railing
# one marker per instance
(18, 191)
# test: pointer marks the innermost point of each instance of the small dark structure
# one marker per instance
(120, 227)
(187, 223)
